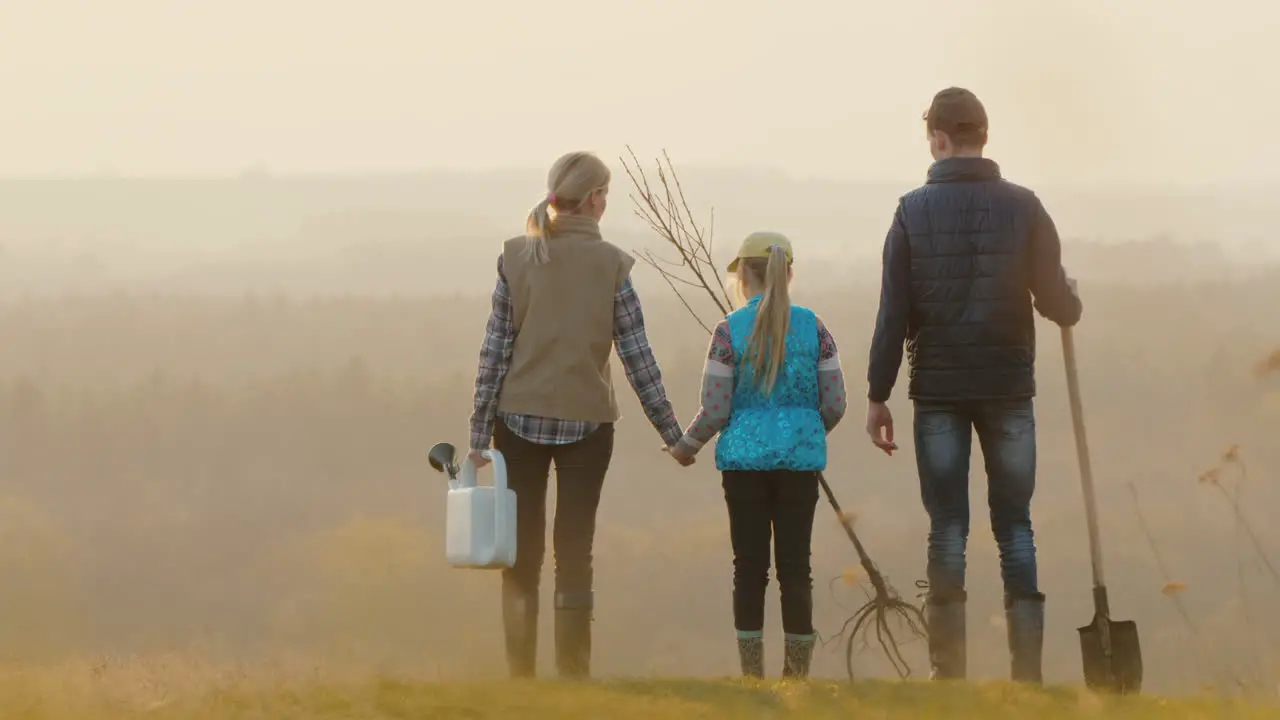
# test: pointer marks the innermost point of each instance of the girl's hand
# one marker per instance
(478, 459)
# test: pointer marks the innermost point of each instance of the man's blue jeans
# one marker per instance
(944, 437)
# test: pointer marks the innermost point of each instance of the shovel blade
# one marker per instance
(1119, 671)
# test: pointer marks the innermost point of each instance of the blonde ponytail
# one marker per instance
(767, 347)
(536, 230)
(571, 181)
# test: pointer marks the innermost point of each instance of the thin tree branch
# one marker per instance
(664, 207)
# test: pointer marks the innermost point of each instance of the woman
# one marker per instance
(544, 394)
(773, 389)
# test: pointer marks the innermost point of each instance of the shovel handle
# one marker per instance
(1082, 454)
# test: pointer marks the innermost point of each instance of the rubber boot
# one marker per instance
(520, 626)
(797, 656)
(573, 634)
(948, 654)
(751, 653)
(1025, 619)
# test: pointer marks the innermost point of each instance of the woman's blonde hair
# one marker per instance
(767, 346)
(570, 183)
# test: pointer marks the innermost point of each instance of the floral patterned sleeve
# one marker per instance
(717, 393)
(832, 401)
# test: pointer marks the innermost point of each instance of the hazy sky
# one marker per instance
(1079, 91)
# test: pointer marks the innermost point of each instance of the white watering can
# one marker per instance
(480, 520)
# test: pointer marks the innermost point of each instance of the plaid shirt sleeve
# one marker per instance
(495, 359)
(642, 369)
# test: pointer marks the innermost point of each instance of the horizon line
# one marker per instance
(265, 175)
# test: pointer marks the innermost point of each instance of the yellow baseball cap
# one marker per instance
(759, 244)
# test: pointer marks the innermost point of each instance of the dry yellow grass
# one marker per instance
(190, 691)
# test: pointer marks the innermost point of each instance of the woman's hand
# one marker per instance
(477, 458)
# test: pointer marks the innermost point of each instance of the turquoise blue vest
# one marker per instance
(783, 431)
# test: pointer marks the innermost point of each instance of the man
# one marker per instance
(964, 258)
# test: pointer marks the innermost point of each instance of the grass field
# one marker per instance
(164, 692)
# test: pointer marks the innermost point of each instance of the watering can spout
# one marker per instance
(443, 458)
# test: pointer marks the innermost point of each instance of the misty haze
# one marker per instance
(246, 257)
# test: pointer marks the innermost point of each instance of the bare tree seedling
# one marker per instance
(665, 210)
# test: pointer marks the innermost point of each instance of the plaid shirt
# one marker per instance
(629, 340)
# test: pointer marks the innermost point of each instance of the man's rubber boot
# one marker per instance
(1025, 618)
(573, 634)
(520, 626)
(948, 654)
(751, 653)
(798, 653)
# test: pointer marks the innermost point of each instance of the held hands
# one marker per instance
(677, 452)
(880, 427)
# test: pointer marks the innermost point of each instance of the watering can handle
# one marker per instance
(1082, 454)
(468, 472)
(499, 468)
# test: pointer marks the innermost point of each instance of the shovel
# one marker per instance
(1109, 648)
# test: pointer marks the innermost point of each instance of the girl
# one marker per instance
(773, 389)
(544, 394)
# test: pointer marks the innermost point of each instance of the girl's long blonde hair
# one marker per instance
(570, 183)
(767, 346)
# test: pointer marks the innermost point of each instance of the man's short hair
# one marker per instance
(959, 115)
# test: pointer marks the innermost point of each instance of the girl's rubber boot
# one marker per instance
(520, 626)
(573, 634)
(751, 653)
(1025, 619)
(948, 653)
(798, 654)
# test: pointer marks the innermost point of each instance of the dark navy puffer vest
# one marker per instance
(972, 328)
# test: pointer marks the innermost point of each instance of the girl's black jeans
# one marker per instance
(771, 507)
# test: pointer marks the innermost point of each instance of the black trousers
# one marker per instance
(580, 471)
(775, 505)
